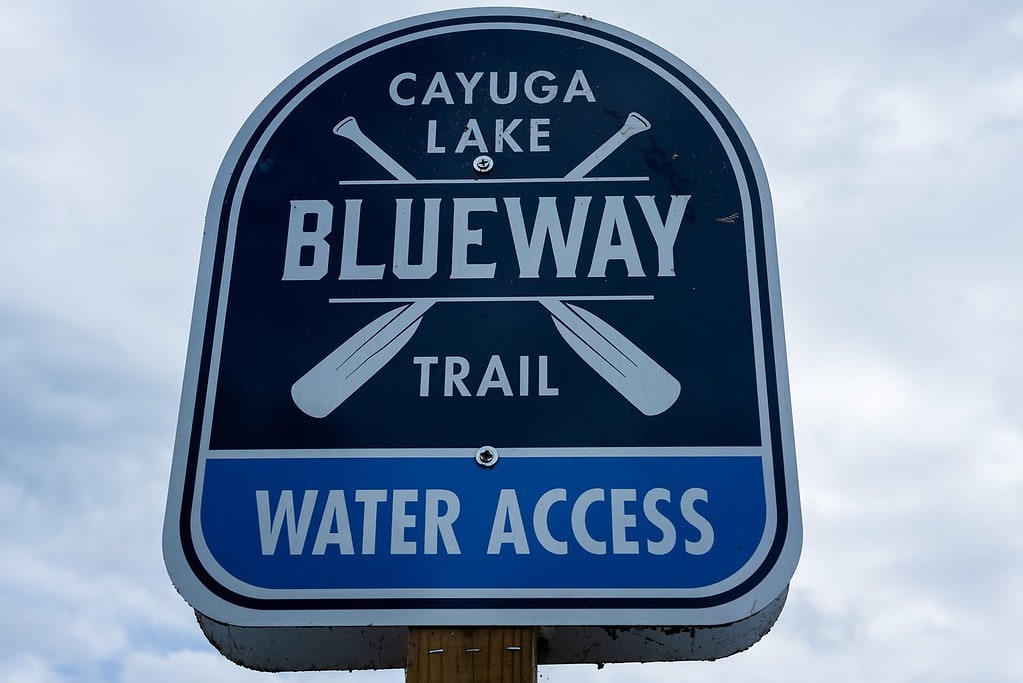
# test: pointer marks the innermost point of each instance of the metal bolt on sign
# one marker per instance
(483, 164)
(487, 456)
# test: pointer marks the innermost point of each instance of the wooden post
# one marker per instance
(471, 655)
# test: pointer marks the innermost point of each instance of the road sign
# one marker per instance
(487, 331)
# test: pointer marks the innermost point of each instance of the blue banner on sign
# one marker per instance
(394, 523)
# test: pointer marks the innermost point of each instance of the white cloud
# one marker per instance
(30, 669)
(1014, 24)
(192, 665)
(182, 665)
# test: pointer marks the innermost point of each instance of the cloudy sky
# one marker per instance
(892, 135)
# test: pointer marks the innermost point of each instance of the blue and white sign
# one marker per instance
(487, 331)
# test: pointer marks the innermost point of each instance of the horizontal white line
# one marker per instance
(469, 453)
(489, 299)
(492, 181)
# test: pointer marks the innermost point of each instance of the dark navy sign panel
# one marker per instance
(697, 325)
(502, 228)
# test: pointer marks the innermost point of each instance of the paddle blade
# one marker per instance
(331, 381)
(622, 364)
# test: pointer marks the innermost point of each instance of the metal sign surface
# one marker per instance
(487, 331)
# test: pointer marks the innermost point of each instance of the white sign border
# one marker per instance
(208, 603)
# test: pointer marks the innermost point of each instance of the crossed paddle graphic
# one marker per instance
(615, 358)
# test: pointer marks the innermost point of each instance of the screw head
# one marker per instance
(483, 164)
(486, 456)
